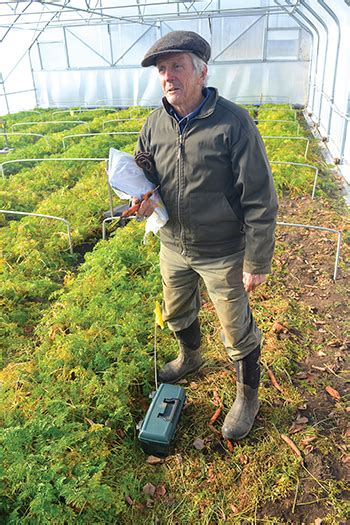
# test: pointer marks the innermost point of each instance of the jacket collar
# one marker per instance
(207, 108)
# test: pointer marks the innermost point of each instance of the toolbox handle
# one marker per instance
(175, 403)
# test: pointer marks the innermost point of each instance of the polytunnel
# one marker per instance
(70, 53)
(157, 262)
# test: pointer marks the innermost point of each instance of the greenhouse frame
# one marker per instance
(95, 158)
(73, 53)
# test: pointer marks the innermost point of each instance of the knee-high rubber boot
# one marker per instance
(240, 418)
(189, 358)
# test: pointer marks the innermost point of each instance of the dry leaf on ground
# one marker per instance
(292, 445)
(230, 445)
(301, 420)
(333, 392)
(306, 441)
(279, 328)
(211, 475)
(215, 416)
(160, 491)
(149, 489)
(346, 459)
(295, 428)
(199, 443)
(274, 380)
(243, 459)
(154, 460)
(216, 399)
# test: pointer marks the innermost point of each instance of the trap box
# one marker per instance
(159, 426)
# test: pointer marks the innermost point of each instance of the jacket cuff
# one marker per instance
(256, 267)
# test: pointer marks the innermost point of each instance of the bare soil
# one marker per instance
(309, 266)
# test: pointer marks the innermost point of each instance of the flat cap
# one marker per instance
(177, 42)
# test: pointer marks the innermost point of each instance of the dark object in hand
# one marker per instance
(145, 161)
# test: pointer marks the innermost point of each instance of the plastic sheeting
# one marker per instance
(254, 54)
(330, 73)
(251, 56)
(241, 82)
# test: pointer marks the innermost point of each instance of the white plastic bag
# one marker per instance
(128, 180)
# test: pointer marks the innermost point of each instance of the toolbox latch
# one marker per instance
(170, 409)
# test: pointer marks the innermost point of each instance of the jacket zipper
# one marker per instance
(179, 155)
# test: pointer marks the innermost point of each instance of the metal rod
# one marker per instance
(50, 122)
(343, 141)
(336, 20)
(101, 108)
(12, 212)
(337, 255)
(312, 227)
(108, 219)
(89, 47)
(308, 21)
(94, 134)
(120, 120)
(304, 165)
(345, 118)
(277, 109)
(155, 355)
(291, 138)
(238, 37)
(62, 159)
(32, 76)
(322, 23)
(257, 121)
(32, 134)
(110, 191)
(132, 45)
(261, 98)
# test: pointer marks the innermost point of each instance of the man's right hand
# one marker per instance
(252, 281)
(146, 208)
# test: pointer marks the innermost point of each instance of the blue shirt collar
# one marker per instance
(183, 120)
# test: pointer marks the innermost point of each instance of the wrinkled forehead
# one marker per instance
(169, 58)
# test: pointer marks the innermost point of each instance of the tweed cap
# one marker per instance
(177, 42)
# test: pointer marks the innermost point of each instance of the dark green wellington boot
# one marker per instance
(241, 416)
(189, 358)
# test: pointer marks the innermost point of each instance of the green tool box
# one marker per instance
(159, 426)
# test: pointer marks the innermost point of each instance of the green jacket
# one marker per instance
(215, 181)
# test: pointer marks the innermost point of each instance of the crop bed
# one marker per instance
(76, 335)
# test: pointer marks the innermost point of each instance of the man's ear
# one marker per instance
(204, 72)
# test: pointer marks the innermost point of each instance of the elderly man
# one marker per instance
(216, 183)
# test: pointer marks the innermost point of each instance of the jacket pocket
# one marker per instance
(213, 221)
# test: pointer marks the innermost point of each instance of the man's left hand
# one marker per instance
(252, 281)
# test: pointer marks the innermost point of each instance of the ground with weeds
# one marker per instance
(77, 366)
(304, 316)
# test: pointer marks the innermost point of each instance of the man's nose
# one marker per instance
(168, 75)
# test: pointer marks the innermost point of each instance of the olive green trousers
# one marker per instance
(223, 278)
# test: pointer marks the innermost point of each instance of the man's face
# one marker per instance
(181, 84)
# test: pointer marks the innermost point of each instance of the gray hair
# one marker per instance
(198, 65)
